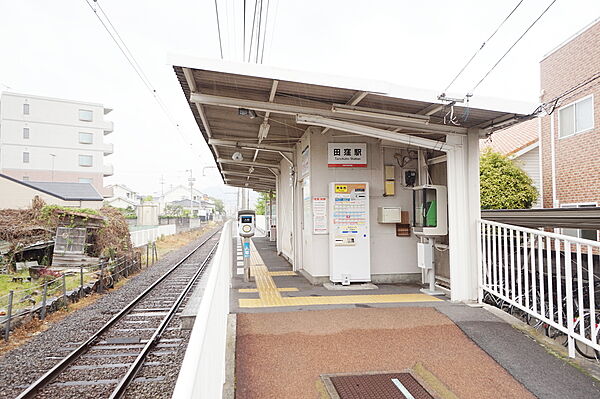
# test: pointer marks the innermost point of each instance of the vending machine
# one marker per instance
(349, 239)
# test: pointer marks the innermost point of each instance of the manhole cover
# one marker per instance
(379, 386)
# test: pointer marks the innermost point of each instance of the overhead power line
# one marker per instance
(219, 29)
(262, 55)
(258, 35)
(252, 32)
(244, 47)
(483, 45)
(513, 45)
(116, 38)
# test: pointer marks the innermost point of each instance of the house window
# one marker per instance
(580, 233)
(85, 160)
(85, 180)
(25, 132)
(25, 157)
(86, 115)
(25, 109)
(86, 138)
(576, 118)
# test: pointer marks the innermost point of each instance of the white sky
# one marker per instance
(59, 49)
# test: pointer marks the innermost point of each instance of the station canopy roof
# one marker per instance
(262, 112)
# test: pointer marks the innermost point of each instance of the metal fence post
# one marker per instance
(80, 281)
(101, 282)
(64, 290)
(8, 315)
(44, 297)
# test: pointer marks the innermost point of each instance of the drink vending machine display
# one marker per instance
(349, 240)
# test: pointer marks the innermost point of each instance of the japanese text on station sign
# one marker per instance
(347, 155)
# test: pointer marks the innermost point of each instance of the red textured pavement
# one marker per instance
(281, 355)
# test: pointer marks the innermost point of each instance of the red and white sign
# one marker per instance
(320, 221)
(347, 155)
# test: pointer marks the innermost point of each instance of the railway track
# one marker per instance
(108, 362)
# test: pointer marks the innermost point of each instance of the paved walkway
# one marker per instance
(277, 286)
(455, 350)
(282, 355)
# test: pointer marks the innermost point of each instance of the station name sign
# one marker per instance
(347, 155)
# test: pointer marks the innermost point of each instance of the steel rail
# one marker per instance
(119, 391)
(44, 380)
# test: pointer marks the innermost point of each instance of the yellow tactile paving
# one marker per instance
(283, 273)
(269, 294)
(254, 290)
(338, 300)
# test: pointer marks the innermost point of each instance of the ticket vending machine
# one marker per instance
(349, 238)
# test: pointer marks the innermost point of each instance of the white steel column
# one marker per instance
(463, 213)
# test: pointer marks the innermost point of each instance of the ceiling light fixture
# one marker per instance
(247, 112)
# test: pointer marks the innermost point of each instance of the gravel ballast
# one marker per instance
(23, 365)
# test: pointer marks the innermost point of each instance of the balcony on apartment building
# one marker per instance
(107, 126)
(107, 170)
(107, 148)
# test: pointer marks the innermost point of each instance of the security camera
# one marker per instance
(237, 156)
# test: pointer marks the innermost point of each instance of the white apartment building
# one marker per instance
(54, 140)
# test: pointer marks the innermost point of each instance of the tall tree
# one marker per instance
(504, 185)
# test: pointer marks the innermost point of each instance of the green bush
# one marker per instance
(504, 185)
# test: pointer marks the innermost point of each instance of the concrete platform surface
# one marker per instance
(276, 287)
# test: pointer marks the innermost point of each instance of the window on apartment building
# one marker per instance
(86, 115)
(86, 160)
(25, 132)
(580, 233)
(577, 117)
(25, 157)
(25, 109)
(85, 180)
(86, 138)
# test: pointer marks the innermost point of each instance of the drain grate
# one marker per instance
(378, 386)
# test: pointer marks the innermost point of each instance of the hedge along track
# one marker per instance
(178, 280)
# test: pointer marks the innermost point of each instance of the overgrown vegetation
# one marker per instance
(504, 185)
(22, 227)
(128, 213)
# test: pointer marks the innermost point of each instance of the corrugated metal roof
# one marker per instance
(317, 92)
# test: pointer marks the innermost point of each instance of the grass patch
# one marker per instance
(166, 244)
(29, 293)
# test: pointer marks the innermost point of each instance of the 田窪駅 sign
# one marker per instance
(347, 155)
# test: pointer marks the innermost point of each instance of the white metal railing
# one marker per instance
(551, 277)
(202, 373)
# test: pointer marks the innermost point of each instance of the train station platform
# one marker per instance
(276, 287)
(294, 339)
